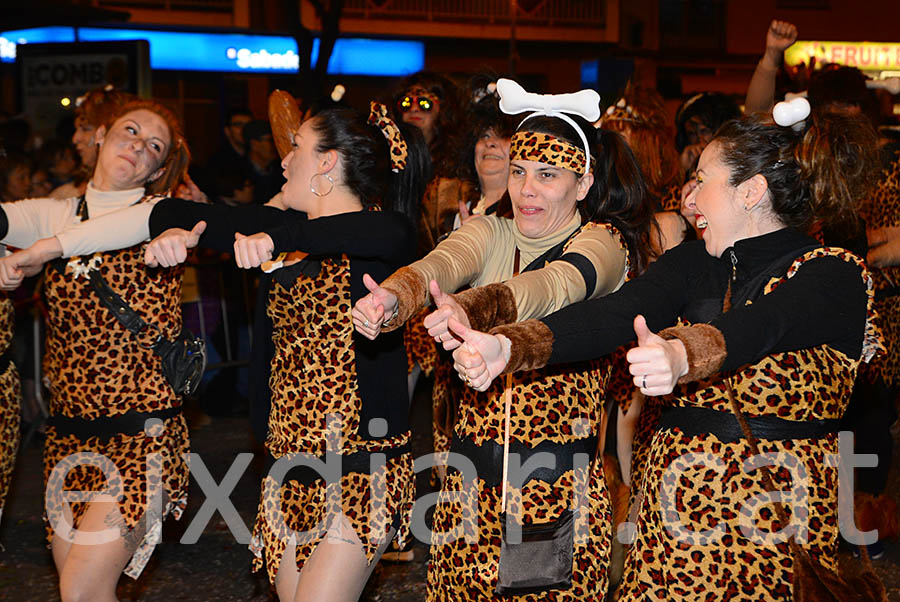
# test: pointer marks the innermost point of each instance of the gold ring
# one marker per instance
(467, 381)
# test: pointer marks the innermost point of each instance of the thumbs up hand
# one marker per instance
(656, 363)
(369, 312)
(170, 248)
(252, 251)
(437, 321)
(481, 358)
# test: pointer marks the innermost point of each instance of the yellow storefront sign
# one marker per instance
(866, 56)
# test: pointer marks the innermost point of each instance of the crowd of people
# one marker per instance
(637, 306)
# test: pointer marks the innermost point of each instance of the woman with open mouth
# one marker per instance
(757, 318)
(580, 224)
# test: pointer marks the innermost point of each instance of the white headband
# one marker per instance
(585, 103)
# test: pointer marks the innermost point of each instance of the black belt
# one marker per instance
(700, 421)
(488, 458)
(107, 427)
(360, 462)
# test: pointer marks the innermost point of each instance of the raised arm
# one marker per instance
(761, 91)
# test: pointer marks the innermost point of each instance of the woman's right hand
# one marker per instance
(437, 321)
(170, 248)
(779, 38)
(368, 313)
(11, 275)
(481, 358)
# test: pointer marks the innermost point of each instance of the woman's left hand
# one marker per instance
(656, 363)
(252, 251)
(170, 248)
(437, 321)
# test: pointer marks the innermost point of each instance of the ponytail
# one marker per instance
(622, 197)
(366, 158)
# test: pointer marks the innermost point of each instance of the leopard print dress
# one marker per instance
(559, 405)
(705, 491)
(316, 409)
(10, 395)
(100, 371)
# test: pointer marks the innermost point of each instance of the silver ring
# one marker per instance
(644, 382)
(366, 323)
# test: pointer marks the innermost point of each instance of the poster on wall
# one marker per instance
(53, 76)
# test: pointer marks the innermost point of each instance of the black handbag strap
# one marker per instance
(117, 306)
(109, 298)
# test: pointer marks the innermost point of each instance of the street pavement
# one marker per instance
(217, 566)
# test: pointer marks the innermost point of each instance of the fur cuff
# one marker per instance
(488, 306)
(411, 291)
(532, 344)
(705, 346)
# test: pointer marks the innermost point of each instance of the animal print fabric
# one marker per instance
(10, 396)
(700, 484)
(880, 210)
(96, 368)
(316, 409)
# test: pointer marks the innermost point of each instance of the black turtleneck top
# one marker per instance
(823, 303)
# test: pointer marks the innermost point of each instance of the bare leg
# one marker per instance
(91, 571)
(336, 571)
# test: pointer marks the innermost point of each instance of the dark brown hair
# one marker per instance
(176, 161)
(816, 174)
(618, 195)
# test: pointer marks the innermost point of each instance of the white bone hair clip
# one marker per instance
(792, 113)
(514, 99)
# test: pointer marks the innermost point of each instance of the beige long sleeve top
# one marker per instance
(482, 251)
(30, 220)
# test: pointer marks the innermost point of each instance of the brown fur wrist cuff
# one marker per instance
(488, 306)
(411, 291)
(532, 344)
(705, 348)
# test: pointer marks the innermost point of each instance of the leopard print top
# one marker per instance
(314, 368)
(97, 367)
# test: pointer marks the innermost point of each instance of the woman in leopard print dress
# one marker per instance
(336, 398)
(760, 308)
(115, 431)
(574, 233)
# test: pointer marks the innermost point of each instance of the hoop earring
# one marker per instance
(312, 186)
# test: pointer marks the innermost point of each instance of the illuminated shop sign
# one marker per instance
(866, 56)
(233, 52)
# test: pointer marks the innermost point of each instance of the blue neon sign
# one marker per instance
(235, 52)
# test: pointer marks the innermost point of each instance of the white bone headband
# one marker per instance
(585, 103)
(792, 113)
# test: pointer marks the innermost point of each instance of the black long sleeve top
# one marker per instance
(823, 303)
(376, 242)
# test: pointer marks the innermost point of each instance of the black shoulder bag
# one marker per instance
(183, 360)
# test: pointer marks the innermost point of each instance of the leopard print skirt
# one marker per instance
(464, 568)
(127, 467)
(672, 560)
(10, 394)
(374, 504)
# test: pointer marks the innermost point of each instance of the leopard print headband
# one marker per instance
(546, 148)
(378, 115)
